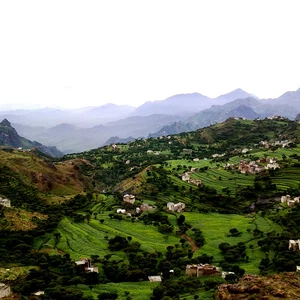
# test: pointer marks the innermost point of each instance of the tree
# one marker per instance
(88, 217)
(181, 220)
(76, 280)
(234, 232)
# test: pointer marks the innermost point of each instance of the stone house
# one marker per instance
(195, 181)
(147, 207)
(86, 266)
(115, 147)
(290, 202)
(294, 244)
(129, 198)
(202, 270)
(4, 290)
(274, 165)
(178, 207)
(154, 278)
(5, 202)
(265, 144)
(185, 176)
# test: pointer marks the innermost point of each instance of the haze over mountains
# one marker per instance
(91, 127)
(9, 137)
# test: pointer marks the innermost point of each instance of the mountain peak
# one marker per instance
(231, 96)
(5, 122)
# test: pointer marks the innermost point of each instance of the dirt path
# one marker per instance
(190, 241)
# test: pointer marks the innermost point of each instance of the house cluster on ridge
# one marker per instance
(202, 270)
(253, 167)
(267, 145)
(249, 167)
(289, 201)
(186, 176)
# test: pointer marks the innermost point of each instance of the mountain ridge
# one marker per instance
(10, 137)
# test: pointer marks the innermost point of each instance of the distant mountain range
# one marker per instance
(185, 104)
(287, 105)
(70, 138)
(10, 138)
(91, 127)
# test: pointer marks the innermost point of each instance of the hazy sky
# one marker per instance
(80, 53)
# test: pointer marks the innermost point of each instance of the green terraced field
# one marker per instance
(84, 239)
(138, 290)
(215, 228)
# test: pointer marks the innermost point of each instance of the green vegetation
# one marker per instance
(232, 219)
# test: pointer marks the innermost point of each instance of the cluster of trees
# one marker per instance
(171, 289)
(284, 259)
(55, 274)
(233, 253)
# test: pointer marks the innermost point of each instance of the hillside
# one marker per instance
(226, 182)
(10, 138)
(50, 180)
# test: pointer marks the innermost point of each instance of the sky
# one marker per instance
(88, 53)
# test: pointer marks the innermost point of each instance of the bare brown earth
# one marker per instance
(277, 286)
(190, 241)
(55, 179)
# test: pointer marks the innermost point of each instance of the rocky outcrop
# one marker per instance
(277, 286)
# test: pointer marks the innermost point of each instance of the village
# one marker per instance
(254, 167)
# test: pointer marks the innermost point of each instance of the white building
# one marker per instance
(129, 198)
(5, 202)
(294, 244)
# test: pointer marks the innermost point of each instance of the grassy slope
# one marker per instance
(215, 228)
(138, 290)
(83, 239)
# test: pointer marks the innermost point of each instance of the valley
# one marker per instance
(117, 207)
